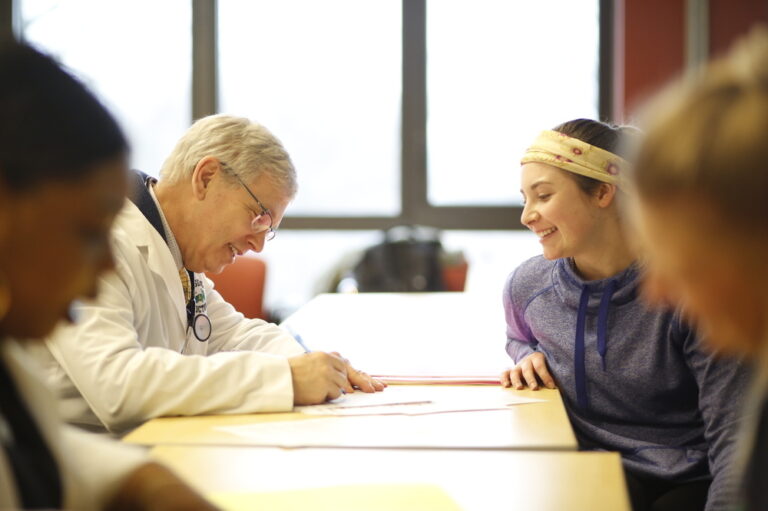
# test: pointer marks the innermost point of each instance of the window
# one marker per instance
(498, 73)
(394, 112)
(325, 78)
(136, 58)
(409, 112)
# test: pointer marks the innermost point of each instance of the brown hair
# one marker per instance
(708, 136)
(599, 134)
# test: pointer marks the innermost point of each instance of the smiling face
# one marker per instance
(225, 216)
(717, 274)
(558, 211)
(55, 244)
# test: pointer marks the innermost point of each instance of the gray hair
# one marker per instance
(245, 146)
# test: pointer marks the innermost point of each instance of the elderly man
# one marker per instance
(159, 340)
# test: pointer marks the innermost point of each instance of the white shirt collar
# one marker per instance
(170, 238)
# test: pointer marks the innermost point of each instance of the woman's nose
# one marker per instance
(102, 259)
(105, 263)
(528, 216)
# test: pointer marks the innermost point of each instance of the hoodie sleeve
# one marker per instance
(722, 384)
(520, 341)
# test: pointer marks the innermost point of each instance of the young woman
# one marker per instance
(62, 181)
(702, 182)
(633, 378)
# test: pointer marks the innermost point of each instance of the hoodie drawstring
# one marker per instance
(602, 320)
(578, 355)
(580, 371)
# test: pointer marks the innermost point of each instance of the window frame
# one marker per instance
(415, 208)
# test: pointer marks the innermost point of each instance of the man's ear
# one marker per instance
(204, 172)
(606, 193)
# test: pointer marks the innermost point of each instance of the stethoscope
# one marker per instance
(197, 319)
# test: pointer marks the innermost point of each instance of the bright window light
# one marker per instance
(135, 56)
(325, 78)
(498, 73)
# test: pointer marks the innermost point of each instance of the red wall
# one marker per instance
(654, 46)
(649, 42)
(731, 18)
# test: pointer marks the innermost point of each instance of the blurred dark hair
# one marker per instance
(610, 137)
(51, 126)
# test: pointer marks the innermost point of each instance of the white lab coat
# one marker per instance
(91, 467)
(130, 357)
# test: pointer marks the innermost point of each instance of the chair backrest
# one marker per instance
(242, 285)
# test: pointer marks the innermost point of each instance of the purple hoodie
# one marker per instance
(633, 379)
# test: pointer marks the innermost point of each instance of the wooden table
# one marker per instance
(542, 425)
(402, 479)
(523, 456)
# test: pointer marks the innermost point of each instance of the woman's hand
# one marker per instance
(531, 371)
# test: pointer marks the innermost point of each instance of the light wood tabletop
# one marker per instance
(523, 455)
(402, 479)
(539, 425)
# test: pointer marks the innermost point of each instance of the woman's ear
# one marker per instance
(605, 195)
(204, 172)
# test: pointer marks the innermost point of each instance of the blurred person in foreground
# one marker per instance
(62, 181)
(702, 213)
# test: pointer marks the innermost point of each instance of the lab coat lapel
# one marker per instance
(159, 257)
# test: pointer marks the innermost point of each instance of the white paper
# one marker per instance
(433, 380)
(490, 430)
(419, 400)
(358, 400)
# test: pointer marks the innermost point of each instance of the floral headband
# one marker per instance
(574, 155)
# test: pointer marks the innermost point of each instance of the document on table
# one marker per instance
(407, 400)
(416, 424)
(370, 431)
(435, 380)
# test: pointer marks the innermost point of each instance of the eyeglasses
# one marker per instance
(259, 222)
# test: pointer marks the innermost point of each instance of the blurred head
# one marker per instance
(570, 185)
(702, 209)
(233, 179)
(62, 181)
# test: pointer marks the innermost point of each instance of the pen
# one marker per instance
(298, 340)
(301, 343)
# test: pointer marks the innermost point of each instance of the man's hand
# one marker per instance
(529, 371)
(318, 377)
(360, 380)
